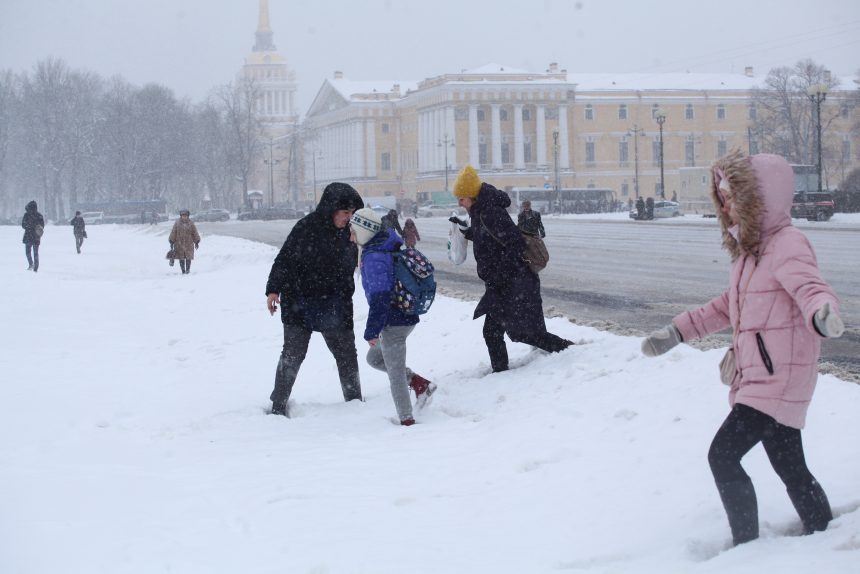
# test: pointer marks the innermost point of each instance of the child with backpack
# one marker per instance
(394, 309)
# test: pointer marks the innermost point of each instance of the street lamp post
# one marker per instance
(445, 143)
(555, 161)
(314, 161)
(636, 132)
(660, 116)
(817, 95)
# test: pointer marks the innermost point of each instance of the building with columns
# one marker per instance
(274, 85)
(524, 129)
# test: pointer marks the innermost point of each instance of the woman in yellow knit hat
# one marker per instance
(511, 303)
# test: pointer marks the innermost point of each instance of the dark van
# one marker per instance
(812, 205)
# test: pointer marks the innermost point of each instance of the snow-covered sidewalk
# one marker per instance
(134, 439)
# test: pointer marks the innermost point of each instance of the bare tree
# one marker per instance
(237, 102)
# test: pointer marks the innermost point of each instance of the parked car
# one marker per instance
(666, 208)
(211, 215)
(270, 213)
(440, 210)
(93, 217)
(812, 205)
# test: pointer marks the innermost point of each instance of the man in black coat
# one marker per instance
(529, 220)
(312, 279)
(512, 302)
(79, 229)
(391, 221)
(34, 225)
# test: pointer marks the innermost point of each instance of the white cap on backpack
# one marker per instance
(365, 223)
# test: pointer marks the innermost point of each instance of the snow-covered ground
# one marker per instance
(134, 439)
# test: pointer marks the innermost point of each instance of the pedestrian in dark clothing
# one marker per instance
(640, 208)
(79, 229)
(34, 225)
(529, 221)
(390, 221)
(779, 308)
(410, 233)
(649, 208)
(312, 279)
(512, 301)
(387, 325)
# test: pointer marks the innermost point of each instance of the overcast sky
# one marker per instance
(194, 45)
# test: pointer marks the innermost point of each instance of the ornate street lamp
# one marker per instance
(817, 94)
(555, 159)
(660, 116)
(636, 132)
(445, 143)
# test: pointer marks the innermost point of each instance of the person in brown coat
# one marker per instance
(410, 233)
(184, 239)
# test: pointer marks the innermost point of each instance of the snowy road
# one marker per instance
(631, 277)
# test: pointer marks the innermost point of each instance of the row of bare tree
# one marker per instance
(68, 137)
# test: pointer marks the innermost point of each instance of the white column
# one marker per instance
(497, 137)
(474, 137)
(370, 130)
(519, 152)
(422, 142)
(540, 125)
(358, 151)
(439, 134)
(564, 149)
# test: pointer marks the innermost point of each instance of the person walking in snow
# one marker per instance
(79, 230)
(779, 309)
(184, 239)
(312, 279)
(410, 233)
(34, 225)
(387, 326)
(529, 221)
(391, 221)
(512, 301)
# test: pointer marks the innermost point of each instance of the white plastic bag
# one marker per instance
(457, 244)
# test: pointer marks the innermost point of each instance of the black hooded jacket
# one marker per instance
(313, 273)
(31, 219)
(512, 294)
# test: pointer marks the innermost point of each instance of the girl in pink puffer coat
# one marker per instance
(779, 309)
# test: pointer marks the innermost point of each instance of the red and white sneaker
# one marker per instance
(424, 390)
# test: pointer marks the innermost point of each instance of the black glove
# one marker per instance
(458, 221)
(197, 245)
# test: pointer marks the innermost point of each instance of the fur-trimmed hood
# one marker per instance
(762, 187)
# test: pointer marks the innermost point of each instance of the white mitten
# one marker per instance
(661, 341)
(828, 323)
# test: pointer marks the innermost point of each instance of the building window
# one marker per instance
(690, 152)
(527, 152)
(721, 148)
(625, 189)
(527, 114)
(506, 152)
(654, 109)
(655, 152)
(589, 112)
(482, 154)
(503, 114)
(721, 112)
(386, 161)
(481, 115)
(385, 128)
(753, 146)
(753, 113)
(622, 112)
(846, 150)
(623, 153)
(589, 153)
(688, 112)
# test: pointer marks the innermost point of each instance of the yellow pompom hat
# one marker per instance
(468, 183)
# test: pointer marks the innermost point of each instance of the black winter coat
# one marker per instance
(512, 294)
(31, 219)
(313, 273)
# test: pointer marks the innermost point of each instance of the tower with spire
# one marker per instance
(273, 81)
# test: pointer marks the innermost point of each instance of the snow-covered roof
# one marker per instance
(663, 81)
(362, 90)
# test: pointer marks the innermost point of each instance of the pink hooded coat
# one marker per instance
(775, 288)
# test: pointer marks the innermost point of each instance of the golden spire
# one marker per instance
(264, 30)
